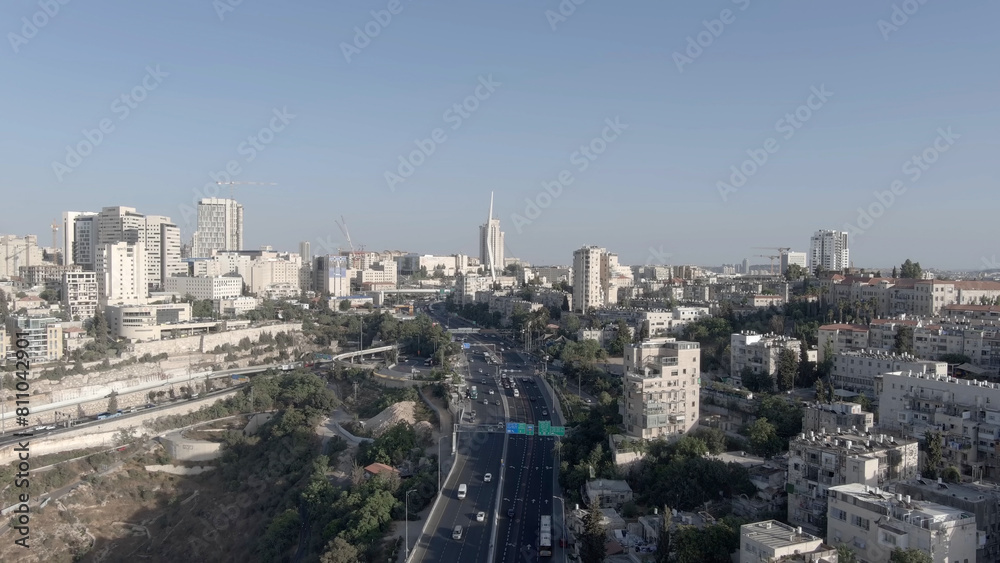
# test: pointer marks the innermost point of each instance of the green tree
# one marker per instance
(864, 401)
(845, 554)
(951, 475)
(904, 340)
(340, 550)
(795, 272)
(592, 548)
(895, 272)
(4, 307)
(911, 270)
(932, 454)
(911, 555)
(757, 382)
(788, 368)
(820, 391)
(714, 439)
(344, 305)
(954, 358)
(764, 440)
(113, 402)
(807, 369)
(622, 339)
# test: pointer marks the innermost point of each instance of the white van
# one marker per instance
(456, 534)
(462, 490)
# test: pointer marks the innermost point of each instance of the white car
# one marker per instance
(487, 478)
(480, 517)
(486, 401)
(492, 392)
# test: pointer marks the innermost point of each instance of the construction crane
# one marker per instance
(232, 186)
(343, 229)
(781, 250)
(772, 257)
(55, 234)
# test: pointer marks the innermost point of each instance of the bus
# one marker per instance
(545, 537)
(473, 393)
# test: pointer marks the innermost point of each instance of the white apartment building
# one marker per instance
(818, 461)
(817, 416)
(882, 332)
(760, 352)
(236, 306)
(332, 276)
(468, 285)
(554, 274)
(829, 249)
(857, 370)
(381, 272)
(80, 294)
(274, 272)
(201, 288)
(163, 250)
(448, 266)
(661, 383)
(43, 334)
(892, 297)
(674, 320)
(597, 277)
(800, 259)
(841, 338)
(965, 411)
(771, 541)
(17, 252)
(121, 273)
(874, 522)
(220, 226)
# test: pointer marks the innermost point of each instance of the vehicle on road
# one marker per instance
(510, 513)
(487, 478)
(486, 401)
(456, 534)
(492, 392)
(545, 412)
(463, 489)
(480, 517)
(516, 393)
(545, 536)
(497, 402)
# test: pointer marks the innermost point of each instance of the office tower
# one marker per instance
(122, 273)
(120, 224)
(69, 235)
(491, 245)
(746, 266)
(332, 276)
(793, 258)
(162, 242)
(305, 252)
(220, 226)
(84, 243)
(829, 250)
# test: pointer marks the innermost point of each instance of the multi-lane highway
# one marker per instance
(522, 479)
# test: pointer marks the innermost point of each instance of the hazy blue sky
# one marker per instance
(221, 78)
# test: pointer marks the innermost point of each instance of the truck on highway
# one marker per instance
(463, 489)
(545, 536)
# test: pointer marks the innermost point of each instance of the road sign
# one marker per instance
(466, 345)
(544, 428)
(559, 430)
(512, 428)
(522, 428)
(531, 430)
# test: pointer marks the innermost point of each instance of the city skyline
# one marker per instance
(640, 131)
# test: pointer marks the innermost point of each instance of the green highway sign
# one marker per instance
(559, 430)
(522, 428)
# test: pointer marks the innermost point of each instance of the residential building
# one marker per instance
(69, 235)
(800, 259)
(840, 338)
(974, 314)
(47, 274)
(18, 252)
(43, 335)
(220, 226)
(819, 416)
(235, 306)
(888, 297)
(882, 333)
(201, 288)
(121, 273)
(661, 385)
(820, 460)
(759, 352)
(966, 412)
(305, 252)
(447, 266)
(857, 370)
(981, 500)
(607, 493)
(332, 276)
(84, 241)
(380, 272)
(491, 245)
(554, 274)
(771, 541)
(80, 294)
(672, 321)
(829, 249)
(874, 522)
(596, 278)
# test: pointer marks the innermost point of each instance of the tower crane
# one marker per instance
(772, 257)
(55, 233)
(343, 229)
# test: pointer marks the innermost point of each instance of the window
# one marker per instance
(839, 514)
(860, 522)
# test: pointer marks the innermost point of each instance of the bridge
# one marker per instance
(361, 353)
(379, 296)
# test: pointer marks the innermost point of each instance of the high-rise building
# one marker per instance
(69, 234)
(660, 394)
(829, 250)
(80, 294)
(84, 243)
(332, 276)
(596, 278)
(122, 273)
(220, 226)
(305, 252)
(800, 259)
(491, 245)
(162, 241)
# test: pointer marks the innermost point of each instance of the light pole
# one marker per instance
(565, 534)
(439, 462)
(406, 522)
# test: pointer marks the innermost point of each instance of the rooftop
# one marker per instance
(923, 514)
(609, 485)
(776, 535)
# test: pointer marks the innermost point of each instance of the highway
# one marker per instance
(527, 468)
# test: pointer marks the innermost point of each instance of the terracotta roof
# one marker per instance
(377, 468)
(844, 326)
(72, 329)
(30, 298)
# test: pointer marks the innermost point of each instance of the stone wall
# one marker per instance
(102, 435)
(207, 342)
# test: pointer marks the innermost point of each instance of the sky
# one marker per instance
(685, 132)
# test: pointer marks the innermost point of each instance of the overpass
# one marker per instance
(361, 353)
(379, 296)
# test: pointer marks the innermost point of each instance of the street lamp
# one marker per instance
(565, 528)
(406, 522)
(439, 462)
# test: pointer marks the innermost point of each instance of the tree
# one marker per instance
(845, 554)
(932, 454)
(807, 369)
(864, 401)
(795, 272)
(911, 270)
(954, 358)
(622, 339)
(344, 305)
(764, 440)
(904, 340)
(340, 551)
(911, 555)
(788, 368)
(757, 382)
(113, 402)
(951, 475)
(4, 308)
(100, 328)
(820, 391)
(592, 548)
(895, 272)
